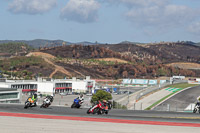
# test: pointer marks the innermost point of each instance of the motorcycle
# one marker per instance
(29, 103)
(77, 103)
(47, 102)
(98, 108)
(109, 104)
(197, 108)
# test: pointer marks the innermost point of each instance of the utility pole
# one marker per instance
(128, 90)
(11, 68)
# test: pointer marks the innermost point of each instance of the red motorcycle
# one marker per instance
(99, 108)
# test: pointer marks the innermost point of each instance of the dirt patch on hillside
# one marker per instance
(47, 57)
(113, 60)
(185, 65)
(41, 54)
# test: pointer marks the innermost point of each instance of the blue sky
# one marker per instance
(105, 21)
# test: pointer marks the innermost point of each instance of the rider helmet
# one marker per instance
(35, 95)
(81, 95)
(105, 101)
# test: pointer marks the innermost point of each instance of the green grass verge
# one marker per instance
(181, 86)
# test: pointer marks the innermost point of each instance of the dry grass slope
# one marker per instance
(113, 60)
(185, 65)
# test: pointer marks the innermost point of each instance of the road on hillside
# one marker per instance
(182, 117)
(180, 101)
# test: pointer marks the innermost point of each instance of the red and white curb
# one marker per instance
(39, 116)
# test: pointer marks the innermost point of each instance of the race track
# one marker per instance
(181, 100)
(183, 117)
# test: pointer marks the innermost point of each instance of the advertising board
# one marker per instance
(139, 81)
(152, 82)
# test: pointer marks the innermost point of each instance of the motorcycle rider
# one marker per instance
(105, 104)
(198, 101)
(34, 99)
(81, 98)
(101, 105)
(197, 106)
(50, 98)
(47, 100)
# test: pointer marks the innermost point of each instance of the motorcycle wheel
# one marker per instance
(73, 105)
(26, 105)
(195, 110)
(106, 112)
(41, 106)
(78, 106)
(88, 111)
(98, 111)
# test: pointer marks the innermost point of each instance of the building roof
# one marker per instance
(8, 89)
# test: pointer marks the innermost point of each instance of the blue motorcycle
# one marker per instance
(77, 103)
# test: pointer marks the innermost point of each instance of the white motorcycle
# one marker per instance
(47, 102)
(197, 108)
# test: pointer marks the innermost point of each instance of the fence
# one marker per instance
(175, 107)
(151, 89)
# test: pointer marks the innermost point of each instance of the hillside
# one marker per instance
(185, 65)
(14, 49)
(138, 60)
(23, 67)
(124, 60)
(159, 53)
(146, 53)
(37, 43)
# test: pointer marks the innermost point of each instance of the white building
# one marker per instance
(74, 85)
(9, 95)
(50, 86)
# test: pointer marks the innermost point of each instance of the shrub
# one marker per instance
(101, 95)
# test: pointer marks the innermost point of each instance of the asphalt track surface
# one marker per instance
(158, 116)
(181, 100)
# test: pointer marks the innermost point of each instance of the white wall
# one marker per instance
(79, 86)
(45, 88)
(3, 85)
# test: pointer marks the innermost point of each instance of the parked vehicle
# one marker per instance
(63, 93)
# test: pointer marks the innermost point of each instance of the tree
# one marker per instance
(77, 55)
(96, 53)
(74, 53)
(125, 74)
(101, 95)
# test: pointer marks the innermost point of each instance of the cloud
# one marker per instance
(157, 13)
(139, 3)
(160, 16)
(31, 6)
(82, 11)
(194, 28)
(166, 15)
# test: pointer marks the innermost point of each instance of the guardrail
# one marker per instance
(154, 88)
(151, 89)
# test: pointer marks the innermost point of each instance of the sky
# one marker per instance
(104, 21)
